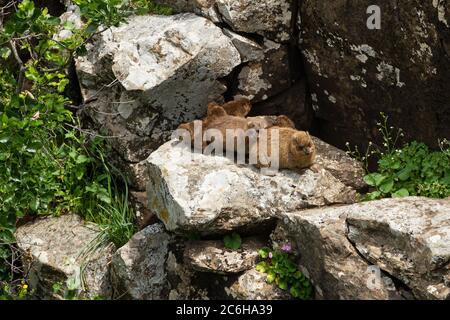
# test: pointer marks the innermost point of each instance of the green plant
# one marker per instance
(232, 241)
(19, 291)
(69, 291)
(413, 170)
(282, 270)
(50, 165)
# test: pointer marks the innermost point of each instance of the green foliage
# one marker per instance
(16, 292)
(282, 270)
(70, 292)
(50, 165)
(113, 12)
(413, 170)
(232, 241)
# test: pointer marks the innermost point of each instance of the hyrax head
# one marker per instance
(245, 103)
(301, 144)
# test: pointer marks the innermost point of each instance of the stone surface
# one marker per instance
(354, 73)
(265, 77)
(408, 238)
(142, 79)
(212, 256)
(269, 18)
(61, 249)
(340, 164)
(252, 285)
(328, 259)
(138, 267)
(211, 194)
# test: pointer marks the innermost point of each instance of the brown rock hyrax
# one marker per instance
(265, 122)
(238, 108)
(219, 124)
(296, 149)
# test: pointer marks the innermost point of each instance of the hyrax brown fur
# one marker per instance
(238, 108)
(296, 148)
(221, 121)
(265, 122)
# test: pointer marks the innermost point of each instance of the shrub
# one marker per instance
(412, 170)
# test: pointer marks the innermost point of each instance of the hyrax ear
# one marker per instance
(212, 106)
(216, 111)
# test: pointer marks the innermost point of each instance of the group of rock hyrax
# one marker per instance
(296, 148)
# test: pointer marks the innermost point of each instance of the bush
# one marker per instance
(412, 170)
(50, 166)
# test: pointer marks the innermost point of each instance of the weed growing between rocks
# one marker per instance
(50, 165)
(283, 271)
(411, 170)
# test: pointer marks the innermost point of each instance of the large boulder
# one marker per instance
(138, 268)
(356, 251)
(65, 250)
(328, 259)
(211, 194)
(143, 78)
(409, 239)
(355, 73)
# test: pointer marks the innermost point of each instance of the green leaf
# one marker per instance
(264, 252)
(374, 179)
(271, 277)
(5, 52)
(232, 241)
(387, 186)
(400, 193)
(262, 267)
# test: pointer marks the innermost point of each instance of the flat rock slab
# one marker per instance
(212, 256)
(211, 194)
(57, 249)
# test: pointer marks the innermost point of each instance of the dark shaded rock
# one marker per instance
(354, 73)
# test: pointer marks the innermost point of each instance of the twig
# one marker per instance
(21, 78)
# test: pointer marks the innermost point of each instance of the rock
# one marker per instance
(249, 50)
(144, 216)
(404, 239)
(252, 285)
(62, 249)
(340, 165)
(328, 259)
(356, 73)
(408, 238)
(211, 194)
(138, 270)
(269, 18)
(212, 256)
(182, 279)
(140, 85)
(265, 77)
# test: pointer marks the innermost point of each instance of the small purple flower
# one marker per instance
(270, 255)
(286, 247)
